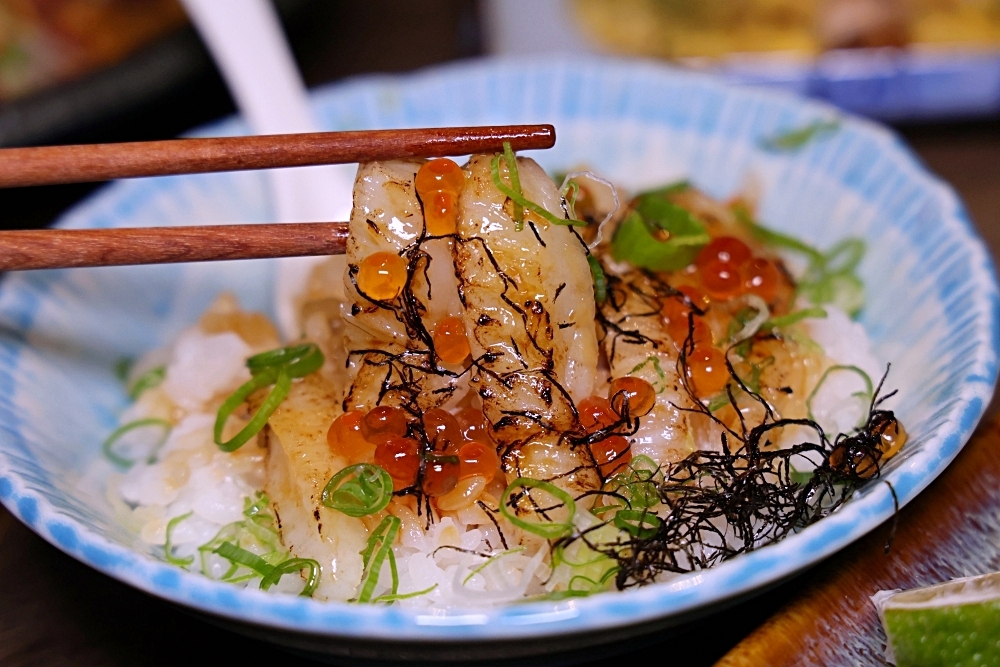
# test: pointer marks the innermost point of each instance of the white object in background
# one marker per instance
(247, 42)
(533, 26)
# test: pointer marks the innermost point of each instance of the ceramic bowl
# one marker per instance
(931, 311)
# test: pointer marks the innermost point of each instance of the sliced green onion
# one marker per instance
(298, 360)
(521, 201)
(515, 183)
(637, 483)
(773, 238)
(845, 256)
(655, 360)
(282, 385)
(795, 139)
(168, 547)
(591, 585)
(569, 193)
(600, 280)
(288, 567)
(866, 394)
(358, 490)
(639, 523)
(489, 561)
(379, 548)
(277, 367)
(253, 509)
(793, 318)
(240, 556)
(151, 378)
(109, 442)
(392, 597)
(830, 277)
(638, 239)
(550, 530)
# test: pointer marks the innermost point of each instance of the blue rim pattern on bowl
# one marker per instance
(623, 117)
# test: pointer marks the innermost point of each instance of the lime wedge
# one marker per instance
(956, 623)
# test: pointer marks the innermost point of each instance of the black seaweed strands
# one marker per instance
(726, 503)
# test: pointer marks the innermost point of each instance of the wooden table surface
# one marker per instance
(55, 611)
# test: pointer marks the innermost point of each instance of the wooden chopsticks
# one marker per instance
(59, 248)
(74, 248)
(50, 165)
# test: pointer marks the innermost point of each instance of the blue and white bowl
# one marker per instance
(932, 312)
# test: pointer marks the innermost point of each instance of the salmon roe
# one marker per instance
(706, 368)
(439, 183)
(611, 454)
(596, 413)
(345, 439)
(478, 460)
(440, 474)
(724, 249)
(441, 214)
(443, 430)
(450, 340)
(636, 392)
(893, 437)
(439, 175)
(383, 423)
(721, 280)
(400, 457)
(473, 423)
(675, 312)
(382, 275)
(761, 277)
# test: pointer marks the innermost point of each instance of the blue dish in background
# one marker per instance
(932, 311)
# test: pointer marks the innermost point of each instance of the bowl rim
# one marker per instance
(735, 578)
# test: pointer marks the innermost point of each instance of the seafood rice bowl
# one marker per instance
(515, 386)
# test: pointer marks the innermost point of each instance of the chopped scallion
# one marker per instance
(151, 378)
(276, 367)
(550, 530)
(168, 547)
(640, 523)
(792, 318)
(108, 447)
(358, 490)
(520, 201)
(600, 280)
(288, 567)
(379, 548)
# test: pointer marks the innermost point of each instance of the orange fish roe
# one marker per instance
(400, 457)
(706, 367)
(761, 277)
(721, 280)
(472, 421)
(382, 275)
(450, 340)
(383, 423)
(725, 249)
(611, 454)
(478, 460)
(440, 474)
(439, 175)
(345, 439)
(439, 183)
(441, 214)
(675, 313)
(596, 413)
(639, 394)
(443, 431)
